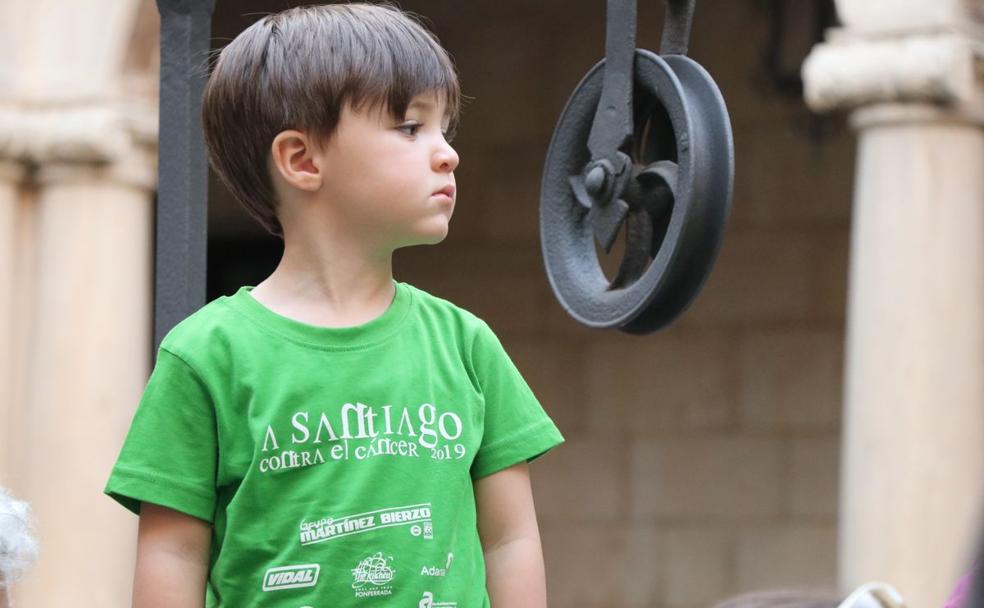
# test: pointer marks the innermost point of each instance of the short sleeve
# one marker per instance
(169, 456)
(516, 427)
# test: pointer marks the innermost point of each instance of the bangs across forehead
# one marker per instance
(399, 71)
(388, 62)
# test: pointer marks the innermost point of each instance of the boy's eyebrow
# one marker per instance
(426, 106)
(423, 104)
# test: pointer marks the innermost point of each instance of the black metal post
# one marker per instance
(182, 167)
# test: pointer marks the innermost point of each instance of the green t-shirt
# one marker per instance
(336, 465)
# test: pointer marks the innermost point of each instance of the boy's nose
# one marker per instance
(446, 158)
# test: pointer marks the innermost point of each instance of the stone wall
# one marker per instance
(701, 461)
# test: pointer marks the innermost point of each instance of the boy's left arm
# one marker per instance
(510, 539)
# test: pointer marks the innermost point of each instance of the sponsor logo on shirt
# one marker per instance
(426, 530)
(291, 577)
(432, 571)
(436, 570)
(373, 575)
(428, 602)
(418, 517)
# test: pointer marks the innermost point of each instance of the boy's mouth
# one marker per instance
(446, 190)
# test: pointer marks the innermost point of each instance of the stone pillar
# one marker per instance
(78, 109)
(90, 359)
(913, 445)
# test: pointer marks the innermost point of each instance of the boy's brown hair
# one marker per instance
(297, 69)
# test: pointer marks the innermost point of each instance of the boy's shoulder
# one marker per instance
(428, 302)
(207, 328)
(451, 317)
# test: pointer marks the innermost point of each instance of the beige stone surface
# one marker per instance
(644, 583)
(89, 363)
(584, 480)
(587, 565)
(791, 380)
(35, 64)
(929, 67)
(23, 318)
(831, 253)
(698, 566)
(814, 479)
(556, 371)
(509, 199)
(79, 292)
(681, 382)
(10, 182)
(790, 555)
(914, 426)
(699, 479)
(761, 276)
(509, 53)
(895, 16)
(801, 186)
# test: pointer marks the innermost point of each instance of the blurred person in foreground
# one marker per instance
(869, 595)
(18, 545)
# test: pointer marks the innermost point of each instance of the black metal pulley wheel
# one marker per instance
(644, 149)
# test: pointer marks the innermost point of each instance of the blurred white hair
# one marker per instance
(18, 545)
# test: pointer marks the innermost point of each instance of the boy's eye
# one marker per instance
(410, 128)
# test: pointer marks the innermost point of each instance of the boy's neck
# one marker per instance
(328, 284)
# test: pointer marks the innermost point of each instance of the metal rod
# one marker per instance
(676, 27)
(182, 166)
(613, 118)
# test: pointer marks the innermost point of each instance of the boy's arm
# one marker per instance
(510, 539)
(172, 559)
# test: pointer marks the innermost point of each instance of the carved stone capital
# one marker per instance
(40, 134)
(892, 17)
(936, 67)
(137, 169)
(115, 140)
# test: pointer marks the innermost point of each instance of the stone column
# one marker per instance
(913, 446)
(89, 362)
(76, 109)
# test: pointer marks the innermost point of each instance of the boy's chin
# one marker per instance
(432, 238)
(436, 233)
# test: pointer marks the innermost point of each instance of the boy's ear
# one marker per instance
(297, 160)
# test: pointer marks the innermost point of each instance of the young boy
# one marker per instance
(332, 437)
